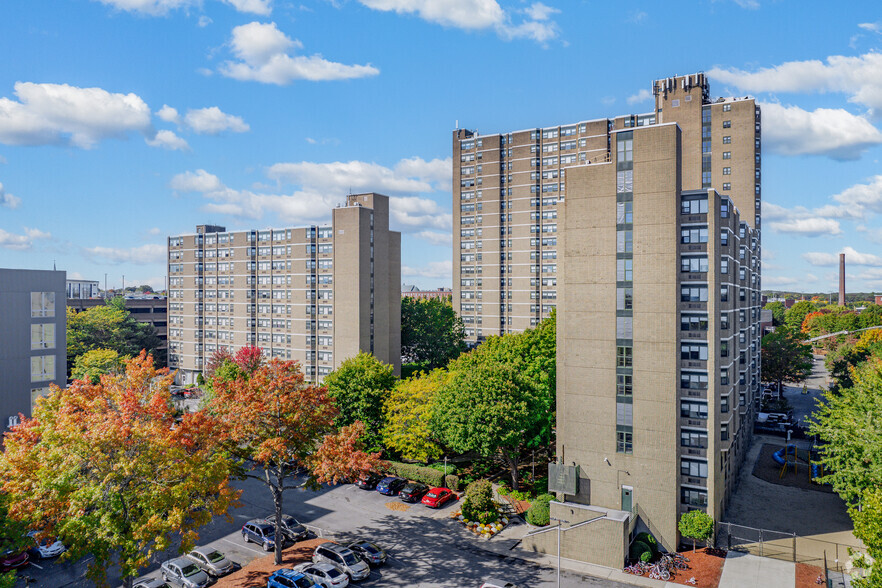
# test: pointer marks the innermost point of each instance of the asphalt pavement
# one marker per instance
(426, 549)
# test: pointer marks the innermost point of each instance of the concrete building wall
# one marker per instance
(33, 338)
(316, 295)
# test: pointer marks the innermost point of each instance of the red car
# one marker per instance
(11, 560)
(437, 497)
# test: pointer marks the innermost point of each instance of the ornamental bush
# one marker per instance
(417, 473)
(479, 500)
(649, 540)
(539, 514)
(452, 482)
(638, 549)
(451, 469)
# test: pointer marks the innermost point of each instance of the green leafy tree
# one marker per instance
(107, 467)
(431, 332)
(408, 415)
(490, 407)
(778, 310)
(848, 423)
(796, 314)
(93, 364)
(785, 358)
(359, 387)
(696, 525)
(109, 327)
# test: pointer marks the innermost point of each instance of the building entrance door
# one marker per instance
(627, 498)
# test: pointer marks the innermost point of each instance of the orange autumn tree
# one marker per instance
(107, 467)
(276, 423)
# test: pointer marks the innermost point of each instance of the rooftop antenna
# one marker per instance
(53, 266)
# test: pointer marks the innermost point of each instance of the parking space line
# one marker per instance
(39, 567)
(245, 547)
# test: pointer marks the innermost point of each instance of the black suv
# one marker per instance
(413, 492)
(369, 481)
(293, 529)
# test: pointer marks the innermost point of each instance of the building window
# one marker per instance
(727, 124)
(693, 468)
(724, 265)
(693, 294)
(727, 155)
(42, 304)
(724, 349)
(625, 149)
(693, 410)
(727, 171)
(724, 432)
(696, 322)
(693, 235)
(727, 140)
(724, 376)
(624, 213)
(624, 241)
(694, 264)
(43, 336)
(727, 186)
(693, 351)
(42, 368)
(694, 206)
(693, 380)
(724, 237)
(693, 497)
(624, 384)
(727, 107)
(624, 356)
(693, 438)
(624, 181)
(624, 327)
(724, 404)
(624, 270)
(624, 442)
(624, 298)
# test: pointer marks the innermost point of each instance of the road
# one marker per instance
(426, 549)
(804, 404)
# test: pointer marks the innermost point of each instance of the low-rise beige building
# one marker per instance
(314, 294)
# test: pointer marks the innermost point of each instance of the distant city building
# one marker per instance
(151, 310)
(314, 294)
(33, 346)
(82, 289)
(647, 242)
(414, 292)
(878, 299)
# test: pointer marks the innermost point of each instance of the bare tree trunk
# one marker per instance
(511, 458)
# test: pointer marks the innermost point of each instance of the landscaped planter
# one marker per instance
(485, 531)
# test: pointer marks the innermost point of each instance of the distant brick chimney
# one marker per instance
(841, 279)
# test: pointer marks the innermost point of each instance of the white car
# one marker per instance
(324, 574)
(45, 547)
(498, 584)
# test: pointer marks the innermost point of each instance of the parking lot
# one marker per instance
(425, 548)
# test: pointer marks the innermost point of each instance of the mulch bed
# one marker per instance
(255, 574)
(806, 575)
(706, 568)
(767, 469)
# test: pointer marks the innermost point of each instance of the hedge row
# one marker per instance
(430, 476)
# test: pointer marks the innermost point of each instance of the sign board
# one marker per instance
(563, 478)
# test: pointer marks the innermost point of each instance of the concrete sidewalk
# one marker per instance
(743, 569)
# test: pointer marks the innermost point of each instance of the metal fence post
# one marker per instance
(729, 538)
(794, 547)
(761, 542)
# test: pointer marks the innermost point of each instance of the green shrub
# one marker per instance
(638, 548)
(503, 490)
(650, 541)
(518, 495)
(646, 557)
(452, 482)
(539, 514)
(487, 516)
(417, 473)
(545, 498)
(451, 469)
(479, 499)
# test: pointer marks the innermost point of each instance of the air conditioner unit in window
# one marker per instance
(13, 421)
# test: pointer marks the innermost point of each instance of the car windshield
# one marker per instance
(333, 573)
(289, 520)
(190, 570)
(368, 547)
(304, 583)
(215, 556)
(350, 559)
(432, 495)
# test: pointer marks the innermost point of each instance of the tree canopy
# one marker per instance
(93, 364)
(109, 327)
(274, 423)
(431, 332)
(359, 387)
(785, 358)
(795, 315)
(408, 417)
(107, 467)
(849, 423)
(696, 525)
(778, 310)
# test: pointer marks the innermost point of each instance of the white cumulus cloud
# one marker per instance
(263, 56)
(859, 77)
(169, 114)
(149, 7)
(809, 227)
(477, 15)
(47, 114)
(852, 257)
(642, 96)
(24, 241)
(145, 254)
(7, 200)
(434, 269)
(198, 181)
(259, 7)
(211, 121)
(833, 132)
(168, 140)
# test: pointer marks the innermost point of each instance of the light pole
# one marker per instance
(560, 530)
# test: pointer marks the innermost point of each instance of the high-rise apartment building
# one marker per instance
(33, 345)
(315, 294)
(643, 231)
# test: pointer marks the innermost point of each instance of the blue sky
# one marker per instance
(124, 121)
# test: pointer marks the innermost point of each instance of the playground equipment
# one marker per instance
(785, 457)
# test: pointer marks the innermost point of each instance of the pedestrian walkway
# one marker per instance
(743, 569)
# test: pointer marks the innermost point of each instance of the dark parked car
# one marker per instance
(391, 486)
(369, 481)
(261, 532)
(293, 529)
(413, 492)
(13, 559)
(371, 553)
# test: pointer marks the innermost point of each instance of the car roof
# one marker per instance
(262, 523)
(335, 547)
(390, 478)
(440, 489)
(180, 562)
(293, 574)
(205, 550)
(416, 484)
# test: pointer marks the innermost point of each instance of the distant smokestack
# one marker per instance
(841, 279)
